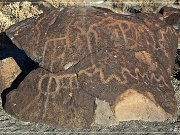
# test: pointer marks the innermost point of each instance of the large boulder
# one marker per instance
(97, 68)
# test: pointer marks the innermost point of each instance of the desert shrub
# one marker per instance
(123, 6)
(65, 3)
(15, 12)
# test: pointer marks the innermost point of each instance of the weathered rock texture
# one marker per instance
(172, 17)
(9, 70)
(168, 11)
(92, 58)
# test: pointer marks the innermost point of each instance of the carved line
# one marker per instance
(47, 99)
(58, 79)
(96, 36)
(137, 75)
(50, 43)
(161, 41)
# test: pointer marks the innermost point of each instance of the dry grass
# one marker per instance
(119, 6)
(123, 6)
(1, 4)
(15, 12)
(60, 3)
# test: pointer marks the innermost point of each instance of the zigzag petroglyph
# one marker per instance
(121, 29)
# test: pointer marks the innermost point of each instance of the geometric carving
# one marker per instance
(88, 53)
(61, 82)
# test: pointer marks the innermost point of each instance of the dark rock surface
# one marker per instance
(172, 17)
(94, 54)
(89, 54)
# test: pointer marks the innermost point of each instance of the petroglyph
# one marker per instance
(67, 81)
(59, 49)
(54, 48)
(139, 75)
(130, 35)
(89, 53)
(50, 85)
(126, 35)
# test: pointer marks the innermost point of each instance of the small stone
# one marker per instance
(9, 70)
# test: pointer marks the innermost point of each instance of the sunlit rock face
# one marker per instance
(9, 70)
(94, 64)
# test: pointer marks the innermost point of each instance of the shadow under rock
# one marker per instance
(8, 49)
(13, 86)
